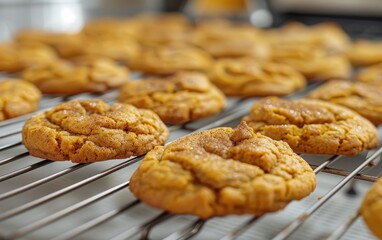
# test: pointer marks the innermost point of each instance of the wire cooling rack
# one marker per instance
(41, 199)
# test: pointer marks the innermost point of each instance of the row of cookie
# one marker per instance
(167, 59)
(188, 96)
(219, 37)
(177, 99)
(85, 131)
(214, 172)
(317, 51)
(222, 38)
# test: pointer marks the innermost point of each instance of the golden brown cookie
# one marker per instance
(372, 75)
(363, 98)
(364, 52)
(184, 97)
(371, 209)
(224, 40)
(91, 130)
(67, 45)
(326, 36)
(222, 171)
(248, 77)
(313, 126)
(60, 77)
(114, 46)
(313, 63)
(158, 30)
(170, 59)
(17, 98)
(15, 57)
(108, 27)
(121, 49)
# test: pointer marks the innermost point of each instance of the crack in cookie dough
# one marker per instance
(222, 171)
(184, 97)
(248, 77)
(361, 97)
(89, 75)
(17, 98)
(91, 130)
(313, 126)
(371, 209)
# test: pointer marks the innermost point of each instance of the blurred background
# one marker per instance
(360, 18)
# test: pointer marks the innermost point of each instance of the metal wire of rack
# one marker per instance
(41, 199)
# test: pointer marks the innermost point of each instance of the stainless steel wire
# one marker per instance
(60, 214)
(70, 188)
(25, 170)
(187, 232)
(294, 225)
(42, 181)
(341, 230)
(143, 229)
(95, 222)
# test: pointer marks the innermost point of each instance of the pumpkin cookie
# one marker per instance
(17, 98)
(364, 52)
(372, 75)
(222, 171)
(183, 97)
(363, 98)
(115, 48)
(312, 62)
(158, 30)
(313, 126)
(108, 27)
(224, 40)
(91, 130)
(66, 45)
(371, 209)
(15, 57)
(92, 75)
(328, 36)
(170, 59)
(248, 77)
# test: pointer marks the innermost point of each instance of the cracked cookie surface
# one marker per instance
(91, 130)
(65, 78)
(222, 171)
(361, 97)
(17, 98)
(184, 97)
(371, 208)
(313, 126)
(248, 78)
